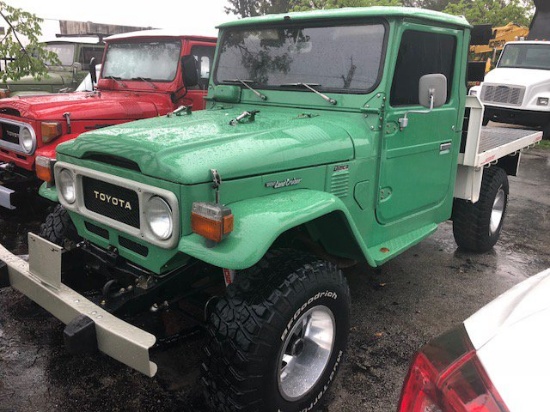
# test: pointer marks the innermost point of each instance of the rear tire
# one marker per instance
(277, 338)
(59, 229)
(477, 226)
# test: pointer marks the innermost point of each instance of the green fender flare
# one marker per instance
(49, 193)
(259, 222)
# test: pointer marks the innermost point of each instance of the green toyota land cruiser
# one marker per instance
(330, 137)
(74, 54)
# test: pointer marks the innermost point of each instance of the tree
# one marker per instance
(495, 12)
(304, 5)
(26, 60)
(247, 8)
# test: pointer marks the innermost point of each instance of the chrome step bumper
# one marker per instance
(5, 198)
(40, 280)
(5, 193)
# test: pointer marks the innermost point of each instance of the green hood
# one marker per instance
(50, 83)
(184, 148)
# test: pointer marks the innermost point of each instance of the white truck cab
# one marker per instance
(517, 91)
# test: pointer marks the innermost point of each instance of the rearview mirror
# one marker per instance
(190, 71)
(432, 90)
(92, 71)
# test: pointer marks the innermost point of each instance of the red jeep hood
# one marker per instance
(88, 105)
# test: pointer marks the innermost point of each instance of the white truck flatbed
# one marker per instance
(488, 144)
(485, 145)
(497, 142)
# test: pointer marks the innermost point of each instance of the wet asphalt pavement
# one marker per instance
(395, 309)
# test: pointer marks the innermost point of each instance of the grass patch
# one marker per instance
(544, 144)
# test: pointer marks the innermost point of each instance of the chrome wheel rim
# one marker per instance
(497, 212)
(306, 352)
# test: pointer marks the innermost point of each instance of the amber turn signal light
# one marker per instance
(211, 220)
(44, 168)
(50, 130)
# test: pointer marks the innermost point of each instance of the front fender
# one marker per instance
(48, 192)
(259, 222)
(48, 150)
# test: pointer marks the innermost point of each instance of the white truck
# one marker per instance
(517, 91)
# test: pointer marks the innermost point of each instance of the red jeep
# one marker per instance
(141, 76)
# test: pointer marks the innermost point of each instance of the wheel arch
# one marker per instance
(510, 163)
(261, 222)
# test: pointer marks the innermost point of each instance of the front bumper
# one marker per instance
(40, 280)
(6, 198)
(14, 184)
(516, 116)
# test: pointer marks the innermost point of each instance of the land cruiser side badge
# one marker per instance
(283, 183)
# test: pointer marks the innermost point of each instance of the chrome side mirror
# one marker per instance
(432, 92)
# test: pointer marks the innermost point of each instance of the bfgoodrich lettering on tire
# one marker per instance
(477, 226)
(277, 338)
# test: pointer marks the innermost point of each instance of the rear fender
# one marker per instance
(260, 221)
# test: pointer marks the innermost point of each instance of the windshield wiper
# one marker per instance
(146, 80)
(308, 86)
(245, 84)
(116, 79)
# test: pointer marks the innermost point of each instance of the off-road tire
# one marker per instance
(58, 228)
(251, 325)
(472, 226)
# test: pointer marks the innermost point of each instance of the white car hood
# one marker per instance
(512, 338)
(519, 77)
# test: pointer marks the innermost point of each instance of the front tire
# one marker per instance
(277, 338)
(58, 228)
(477, 226)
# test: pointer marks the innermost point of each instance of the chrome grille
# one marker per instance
(502, 94)
(118, 203)
(10, 133)
(9, 136)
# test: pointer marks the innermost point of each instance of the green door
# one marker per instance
(417, 161)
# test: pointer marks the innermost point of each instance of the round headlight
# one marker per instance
(66, 187)
(26, 139)
(159, 217)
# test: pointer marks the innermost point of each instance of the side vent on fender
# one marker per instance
(339, 183)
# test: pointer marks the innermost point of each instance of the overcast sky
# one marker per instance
(188, 16)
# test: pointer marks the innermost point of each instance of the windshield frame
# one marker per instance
(113, 45)
(522, 45)
(319, 23)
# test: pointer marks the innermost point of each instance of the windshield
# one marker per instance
(65, 53)
(153, 61)
(526, 56)
(338, 58)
